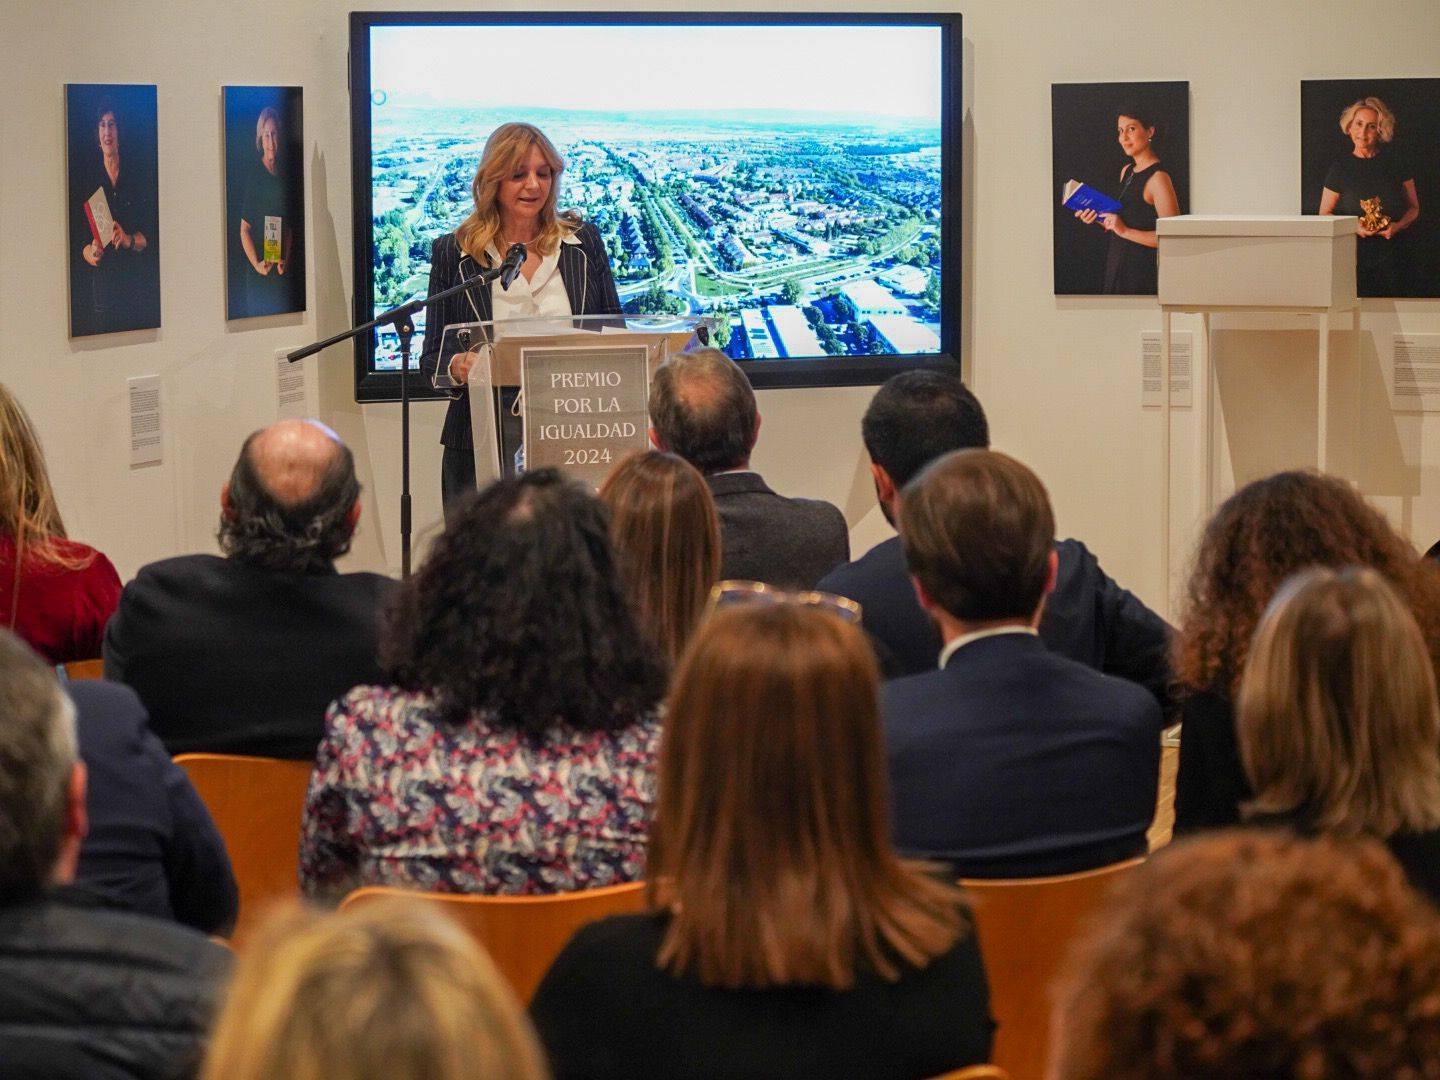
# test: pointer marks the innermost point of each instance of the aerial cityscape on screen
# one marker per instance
(811, 232)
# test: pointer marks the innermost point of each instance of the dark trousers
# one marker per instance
(457, 466)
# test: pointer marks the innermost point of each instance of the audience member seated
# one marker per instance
(1338, 721)
(390, 990)
(1265, 532)
(152, 847)
(1009, 760)
(667, 540)
(85, 992)
(702, 408)
(241, 654)
(516, 752)
(1248, 955)
(786, 939)
(915, 418)
(55, 593)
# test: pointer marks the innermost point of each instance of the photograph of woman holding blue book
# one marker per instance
(1125, 210)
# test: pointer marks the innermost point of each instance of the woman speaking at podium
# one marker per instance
(566, 271)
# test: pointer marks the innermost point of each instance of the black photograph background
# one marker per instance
(1416, 146)
(255, 115)
(1084, 147)
(114, 279)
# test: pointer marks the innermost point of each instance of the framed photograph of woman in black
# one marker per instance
(1371, 148)
(264, 201)
(113, 207)
(1120, 161)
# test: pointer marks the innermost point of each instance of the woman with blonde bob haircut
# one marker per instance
(390, 991)
(667, 540)
(566, 272)
(1338, 720)
(55, 594)
(785, 936)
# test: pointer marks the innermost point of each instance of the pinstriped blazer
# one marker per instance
(584, 268)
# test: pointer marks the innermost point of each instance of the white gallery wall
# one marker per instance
(1060, 378)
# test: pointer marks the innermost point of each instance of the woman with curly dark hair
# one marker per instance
(1255, 955)
(1264, 533)
(516, 752)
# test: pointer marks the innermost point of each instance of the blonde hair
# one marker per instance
(390, 991)
(267, 113)
(1337, 715)
(505, 152)
(667, 541)
(770, 846)
(1384, 118)
(28, 512)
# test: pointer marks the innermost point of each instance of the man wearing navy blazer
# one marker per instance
(915, 418)
(702, 408)
(1009, 760)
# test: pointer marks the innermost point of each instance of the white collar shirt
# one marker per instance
(542, 296)
(995, 631)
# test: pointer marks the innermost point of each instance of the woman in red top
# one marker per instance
(55, 593)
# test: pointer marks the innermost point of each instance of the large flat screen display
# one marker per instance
(797, 177)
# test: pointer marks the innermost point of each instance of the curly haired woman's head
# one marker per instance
(518, 611)
(1255, 954)
(391, 991)
(1267, 531)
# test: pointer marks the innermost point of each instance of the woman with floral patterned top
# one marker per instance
(516, 753)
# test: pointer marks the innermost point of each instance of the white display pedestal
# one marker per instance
(1302, 265)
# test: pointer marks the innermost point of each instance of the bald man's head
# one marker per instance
(291, 458)
(702, 408)
(293, 500)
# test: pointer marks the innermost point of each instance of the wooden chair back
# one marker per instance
(256, 803)
(522, 934)
(977, 1072)
(76, 670)
(1025, 927)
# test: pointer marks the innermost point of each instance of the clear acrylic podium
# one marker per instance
(499, 347)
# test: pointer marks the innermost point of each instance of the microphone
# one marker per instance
(514, 259)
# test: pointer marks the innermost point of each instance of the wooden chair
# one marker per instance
(977, 1072)
(76, 670)
(256, 803)
(1025, 927)
(522, 934)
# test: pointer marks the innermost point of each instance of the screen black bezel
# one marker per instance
(371, 385)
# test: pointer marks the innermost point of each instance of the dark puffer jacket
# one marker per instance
(91, 993)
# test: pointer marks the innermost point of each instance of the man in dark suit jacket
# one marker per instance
(242, 654)
(914, 419)
(152, 847)
(1008, 761)
(703, 408)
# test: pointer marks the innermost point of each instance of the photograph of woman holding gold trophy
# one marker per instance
(1377, 188)
(1370, 148)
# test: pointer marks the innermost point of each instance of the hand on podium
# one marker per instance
(460, 365)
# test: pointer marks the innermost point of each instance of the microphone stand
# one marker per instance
(402, 318)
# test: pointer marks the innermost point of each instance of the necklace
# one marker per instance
(511, 243)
